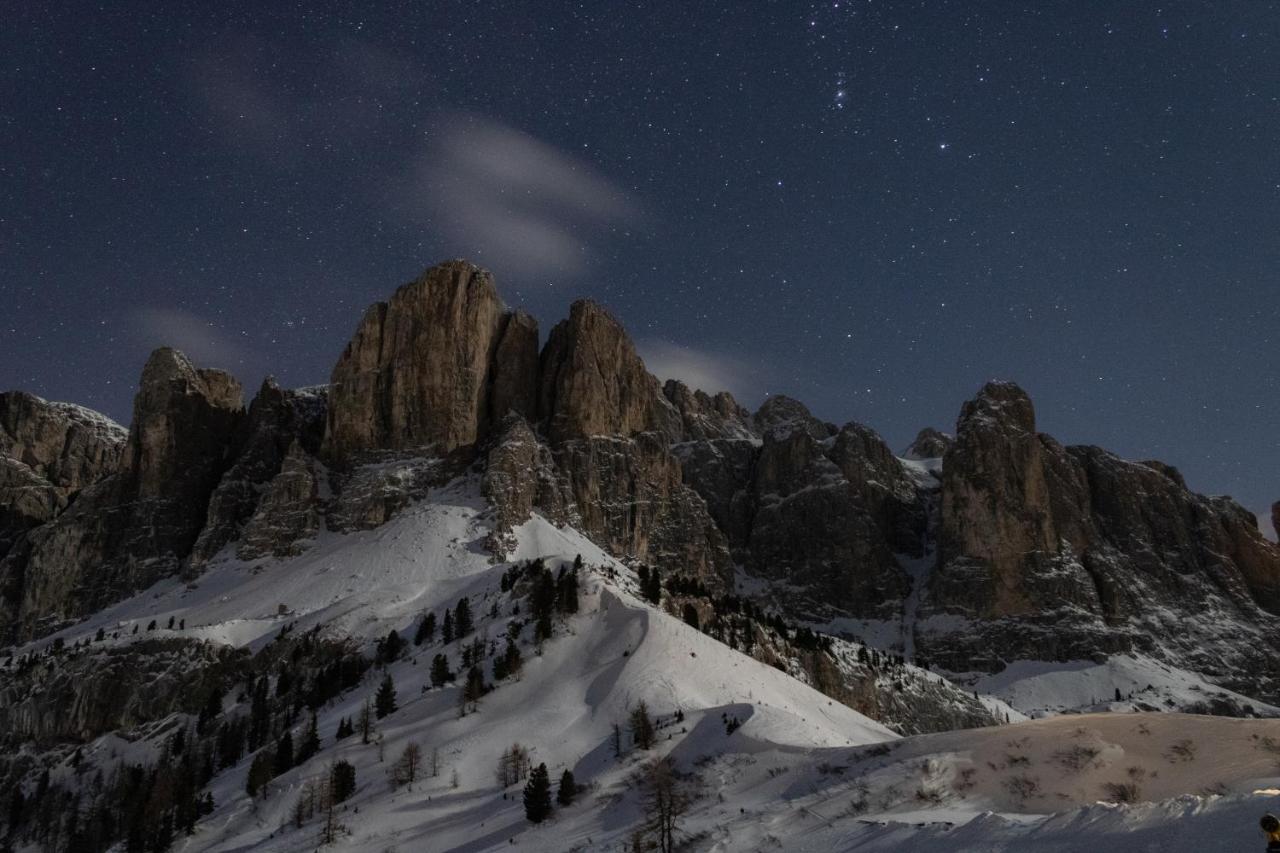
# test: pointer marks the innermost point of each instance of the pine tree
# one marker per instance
(462, 624)
(440, 674)
(537, 795)
(568, 789)
(426, 630)
(691, 614)
(642, 732)
(366, 722)
(446, 630)
(284, 754)
(384, 701)
(475, 687)
(389, 648)
(310, 743)
(260, 773)
(653, 588)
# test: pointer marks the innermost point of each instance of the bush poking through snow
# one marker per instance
(1122, 792)
(1077, 758)
(1183, 750)
(1022, 786)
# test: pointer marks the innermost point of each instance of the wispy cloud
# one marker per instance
(511, 201)
(195, 336)
(1264, 523)
(707, 371)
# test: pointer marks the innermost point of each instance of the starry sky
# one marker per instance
(871, 206)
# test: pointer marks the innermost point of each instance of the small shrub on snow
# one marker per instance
(1121, 792)
(1022, 786)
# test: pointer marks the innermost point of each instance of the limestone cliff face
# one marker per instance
(593, 382)
(1056, 552)
(49, 452)
(707, 418)
(280, 422)
(431, 368)
(68, 446)
(133, 527)
(995, 496)
(100, 689)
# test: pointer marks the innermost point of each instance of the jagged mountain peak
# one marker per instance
(929, 443)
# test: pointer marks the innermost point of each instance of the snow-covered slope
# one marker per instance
(802, 772)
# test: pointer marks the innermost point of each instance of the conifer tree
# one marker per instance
(366, 722)
(568, 788)
(440, 674)
(310, 743)
(642, 732)
(260, 773)
(474, 687)
(426, 630)
(446, 629)
(284, 754)
(537, 795)
(462, 624)
(342, 780)
(384, 701)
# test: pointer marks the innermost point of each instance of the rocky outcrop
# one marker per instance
(1052, 552)
(781, 415)
(630, 497)
(431, 368)
(707, 418)
(68, 446)
(929, 444)
(79, 694)
(370, 494)
(593, 383)
(49, 452)
(280, 422)
(289, 514)
(128, 530)
(830, 516)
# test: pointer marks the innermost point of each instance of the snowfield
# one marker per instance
(801, 773)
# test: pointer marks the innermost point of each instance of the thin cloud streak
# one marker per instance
(511, 201)
(194, 336)
(704, 370)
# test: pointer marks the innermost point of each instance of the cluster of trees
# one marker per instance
(650, 584)
(322, 796)
(537, 793)
(138, 808)
(551, 594)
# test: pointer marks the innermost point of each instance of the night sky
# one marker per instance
(871, 206)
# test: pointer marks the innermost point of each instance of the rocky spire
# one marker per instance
(432, 367)
(594, 383)
(929, 444)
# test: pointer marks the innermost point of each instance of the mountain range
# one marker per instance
(778, 590)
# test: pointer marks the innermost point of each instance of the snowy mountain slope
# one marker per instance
(614, 653)
(802, 772)
(1040, 688)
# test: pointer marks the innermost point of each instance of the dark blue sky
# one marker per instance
(872, 206)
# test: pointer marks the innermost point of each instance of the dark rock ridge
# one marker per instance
(1059, 552)
(49, 452)
(95, 690)
(929, 444)
(137, 524)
